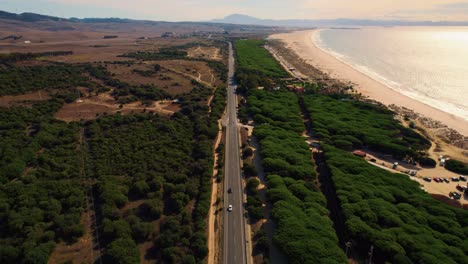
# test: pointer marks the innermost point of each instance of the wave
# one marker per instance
(446, 106)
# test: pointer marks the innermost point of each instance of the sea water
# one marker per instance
(426, 64)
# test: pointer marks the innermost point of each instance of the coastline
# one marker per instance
(302, 43)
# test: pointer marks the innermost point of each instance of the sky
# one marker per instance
(202, 10)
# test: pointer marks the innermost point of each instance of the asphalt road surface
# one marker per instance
(234, 244)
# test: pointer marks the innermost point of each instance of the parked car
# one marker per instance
(407, 171)
(462, 178)
(455, 179)
(428, 179)
(413, 173)
(446, 180)
(436, 179)
(455, 195)
(460, 188)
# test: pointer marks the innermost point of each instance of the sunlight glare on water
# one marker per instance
(427, 64)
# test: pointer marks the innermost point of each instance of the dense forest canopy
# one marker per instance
(149, 176)
(251, 56)
(391, 212)
(303, 232)
(348, 123)
(41, 193)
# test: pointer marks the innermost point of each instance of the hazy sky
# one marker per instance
(177, 10)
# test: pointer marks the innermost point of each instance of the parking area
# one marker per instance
(442, 181)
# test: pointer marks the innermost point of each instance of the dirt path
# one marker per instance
(275, 255)
(198, 79)
(214, 236)
(87, 249)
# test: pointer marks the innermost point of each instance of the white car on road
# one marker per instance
(230, 208)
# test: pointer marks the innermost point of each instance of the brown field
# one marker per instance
(211, 53)
(23, 99)
(94, 106)
(169, 81)
(197, 70)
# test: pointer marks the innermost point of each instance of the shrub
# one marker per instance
(456, 166)
(427, 162)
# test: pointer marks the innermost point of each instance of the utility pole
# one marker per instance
(348, 246)
(371, 252)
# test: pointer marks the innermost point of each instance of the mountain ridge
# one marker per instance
(246, 20)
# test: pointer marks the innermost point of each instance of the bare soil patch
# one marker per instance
(79, 252)
(197, 70)
(23, 99)
(199, 52)
(91, 107)
(171, 82)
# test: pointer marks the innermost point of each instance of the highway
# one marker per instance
(234, 241)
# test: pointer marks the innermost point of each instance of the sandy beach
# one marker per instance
(302, 44)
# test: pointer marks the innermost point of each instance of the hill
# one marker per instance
(249, 20)
(27, 17)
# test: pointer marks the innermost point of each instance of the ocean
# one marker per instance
(426, 64)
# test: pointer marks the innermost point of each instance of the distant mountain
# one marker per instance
(249, 20)
(239, 19)
(27, 17)
(32, 17)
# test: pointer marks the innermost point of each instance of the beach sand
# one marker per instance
(302, 44)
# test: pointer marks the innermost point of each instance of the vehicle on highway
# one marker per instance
(462, 178)
(229, 190)
(428, 179)
(230, 208)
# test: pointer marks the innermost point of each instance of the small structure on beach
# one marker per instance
(442, 162)
(360, 153)
(168, 35)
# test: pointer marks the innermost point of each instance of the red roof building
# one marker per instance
(360, 153)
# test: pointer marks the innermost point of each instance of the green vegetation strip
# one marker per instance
(251, 56)
(348, 124)
(303, 232)
(17, 80)
(12, 57)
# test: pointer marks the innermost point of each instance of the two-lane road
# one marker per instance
(234, 245)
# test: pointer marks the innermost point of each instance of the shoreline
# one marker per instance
(302, 43)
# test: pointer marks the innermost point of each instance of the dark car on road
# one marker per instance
(455, 195)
